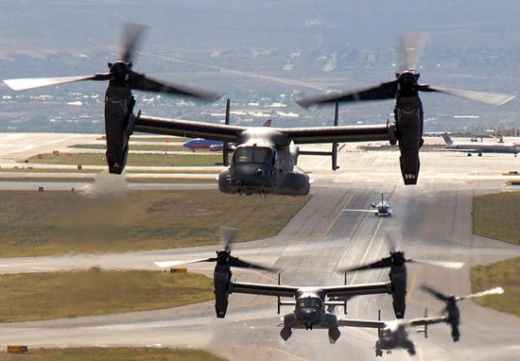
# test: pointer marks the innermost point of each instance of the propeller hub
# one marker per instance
(407, 81)
(120, 71)
(397, 258)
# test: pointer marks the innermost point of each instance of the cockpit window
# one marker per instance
(253, 155)
(310, 302)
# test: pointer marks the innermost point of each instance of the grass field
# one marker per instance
(116, 220)
(52, 295)
(505, 274)
(112, 354)
(496, 216)
(164, 147)
(134, 159)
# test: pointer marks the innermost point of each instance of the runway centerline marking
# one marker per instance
(337, 217)
(371, 241)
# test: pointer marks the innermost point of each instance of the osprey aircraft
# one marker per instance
(309, 302)
(393, 334)
(264, 159)
(408, 111)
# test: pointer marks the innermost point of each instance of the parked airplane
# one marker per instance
(210, 144)
(201, 143)
(480, 147)
(381, 209)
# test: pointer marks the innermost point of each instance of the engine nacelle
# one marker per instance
(119, 123)
(398, 280)
(221, 281)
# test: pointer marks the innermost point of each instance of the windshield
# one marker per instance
(309, 302)
(253, 155)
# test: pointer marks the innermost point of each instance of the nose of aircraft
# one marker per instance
(306, 314)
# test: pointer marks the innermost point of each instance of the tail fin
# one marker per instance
(267, 123)
(447, 139)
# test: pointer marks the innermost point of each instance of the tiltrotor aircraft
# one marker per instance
(394, 335)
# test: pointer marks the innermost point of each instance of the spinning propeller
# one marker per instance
(223, 258)
(452, 309)
(120, 74)
(411, 46)
(448, 299)
(397, 258)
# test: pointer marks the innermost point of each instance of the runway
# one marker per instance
(431, 220)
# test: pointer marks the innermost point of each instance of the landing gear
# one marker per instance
(286, 332)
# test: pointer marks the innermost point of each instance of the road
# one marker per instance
(431, 220)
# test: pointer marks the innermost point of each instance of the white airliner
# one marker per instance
(480, 147)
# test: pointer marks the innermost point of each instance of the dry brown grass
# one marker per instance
(52, 295)
(112, 219)
(112, 354)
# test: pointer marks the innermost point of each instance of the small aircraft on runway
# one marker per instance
(408, 110)
(479, 147)
(393, 334)
(381, 209)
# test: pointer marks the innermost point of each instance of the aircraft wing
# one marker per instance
(357, 290)
(339, 134)
(467, 150)
(189, 129)
(392, 324)
(263, 289)
(361, 210)
(362, 323)
(425, 321)
(230, 133)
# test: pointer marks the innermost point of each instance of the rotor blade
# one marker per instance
(488, 98)
(141, 82)
(165, 264)
(492, 291)
(445, 264)
(383, 91)
(410, 50)
(383, 263)
(33, 83)
(235, 262)
(438, 295)
(131, 36)
(227, 235)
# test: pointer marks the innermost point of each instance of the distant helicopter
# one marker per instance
(408, 110)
